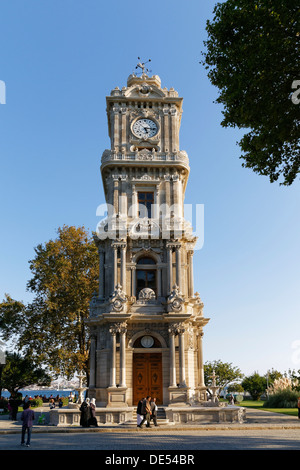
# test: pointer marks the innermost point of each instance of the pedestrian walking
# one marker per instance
(71, 398)
(14, 402)
(93, 419)
(27, 417)
(153, 407)
(85, 413)
(299, 407)
(139, 416)
(146, 412)
(231, 399)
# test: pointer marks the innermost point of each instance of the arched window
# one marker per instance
(146, 200)
(145, 274)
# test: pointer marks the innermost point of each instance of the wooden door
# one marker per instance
(147, 377)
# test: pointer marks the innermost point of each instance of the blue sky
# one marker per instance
(59, 60)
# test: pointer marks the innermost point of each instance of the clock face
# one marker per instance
(147, 341)
(144, 128)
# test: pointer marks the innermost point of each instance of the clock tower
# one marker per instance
(146, 321)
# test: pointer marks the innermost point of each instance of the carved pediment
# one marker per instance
(144, 90)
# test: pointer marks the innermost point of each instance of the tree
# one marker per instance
(52, 328)
(20, 372)
(255, 384)
(295, 377)
(225, 373)
(235, 388)
(252, 55)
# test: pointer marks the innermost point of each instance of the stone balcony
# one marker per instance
(139, 157)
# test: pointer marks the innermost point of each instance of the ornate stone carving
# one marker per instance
(93, 305)
(147, 294)
(118, 300)
(175, 300)
(144, 228)
(118, 328)
(176, 329)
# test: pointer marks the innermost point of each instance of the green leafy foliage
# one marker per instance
(20, 372)
(51, 329)
(283, 399)
(225, 373)
(255, 384)
(252, 57)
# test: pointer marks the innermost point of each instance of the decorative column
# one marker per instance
(174, 133)
(101, 272)
(156, 203)
(181, 358)
(166, 129)
(134, 203)
(158, 282)
(112, 377)
(116, 396)
(123, 267)
(191, 274)
(178, 267)
(116, 196)
(116, 127)
(123, 331)
(133, 288)
(93, 362)
(167, 211)
(201, 382)
(123, 126)
(172, 332)
(170, 268)
(115, 263)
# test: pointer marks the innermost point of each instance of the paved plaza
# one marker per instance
(279, 439)
(261, 431)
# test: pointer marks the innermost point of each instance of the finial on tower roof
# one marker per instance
(141, 65)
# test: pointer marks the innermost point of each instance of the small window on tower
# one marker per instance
(146, 200)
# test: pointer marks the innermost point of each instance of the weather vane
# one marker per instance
(141, 65)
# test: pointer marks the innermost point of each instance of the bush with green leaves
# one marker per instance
(36, 402)
(283, 399)
(65, 401)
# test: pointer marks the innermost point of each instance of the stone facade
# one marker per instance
(146, 321)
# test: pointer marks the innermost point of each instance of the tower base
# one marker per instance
(173, 415)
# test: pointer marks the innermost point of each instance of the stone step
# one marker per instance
(161, 418)
(161, 413)
(160, 422)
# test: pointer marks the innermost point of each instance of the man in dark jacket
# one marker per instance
(146, 412)
(139, 411)
(14, 402)
(27, 417)
(154, 411)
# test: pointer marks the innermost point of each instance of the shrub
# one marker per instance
(283, 399)
(65, 401)
(36, 402)
(281, 384)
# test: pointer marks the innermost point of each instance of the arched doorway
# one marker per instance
(147, 376)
